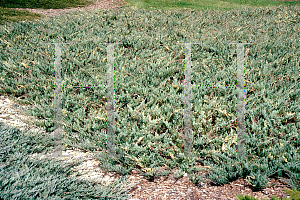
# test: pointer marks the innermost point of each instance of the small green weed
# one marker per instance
(295, 195)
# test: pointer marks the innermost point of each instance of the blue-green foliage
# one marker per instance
(149, 84)
(21, 177)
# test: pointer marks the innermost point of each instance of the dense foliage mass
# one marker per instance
(149, 84)
(21, 177)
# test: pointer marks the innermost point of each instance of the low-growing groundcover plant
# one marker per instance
(149, 84)
(21, 178)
